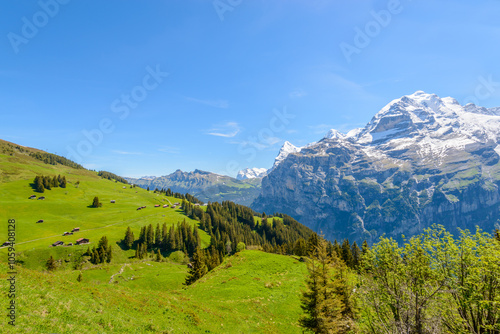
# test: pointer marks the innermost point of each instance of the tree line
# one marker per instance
(53, 159)
(40, 183)
(111, 176)
(170, 193)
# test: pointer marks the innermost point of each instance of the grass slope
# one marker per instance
(251, 292)
(66, 208)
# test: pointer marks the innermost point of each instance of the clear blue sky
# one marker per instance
(73, 66)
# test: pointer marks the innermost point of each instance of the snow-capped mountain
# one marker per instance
(421, 160)
(251, 173)
(147, 178)
(285, 150)
(435, 125)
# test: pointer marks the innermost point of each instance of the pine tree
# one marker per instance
(365, 248)
(347, 253)
(356, 254)
(129, 238)
(322, 306)
(39, 184)
(109, 254)
(198, 269)
(51, 264)
(95, 202)
(312, 243)
(62, 183)
(150, 236)
(300, 247)
(55, 183)
(46, 182)
(157, 235)
(80, 277)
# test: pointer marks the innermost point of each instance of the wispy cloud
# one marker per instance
(258, 144)
(297, 94)
(169, 149)
(227, 130)
(223, 104)
(126, 153)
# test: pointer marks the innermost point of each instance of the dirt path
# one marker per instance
(118, 273)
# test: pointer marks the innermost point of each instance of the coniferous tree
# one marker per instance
(356, 254)
(150, 240)
(320, 302)
(312, 243)
(347, 253)
(300, 247)
(62, 183)
(39, 184)
(80, 277)
(365, 248)
(96, 203)
(157, 235)
(46, 182)
(54, 182)
(158, 256)
(129, 238)
(198, 269)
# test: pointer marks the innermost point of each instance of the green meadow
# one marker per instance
(250, 292)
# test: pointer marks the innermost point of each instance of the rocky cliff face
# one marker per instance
(421, 160)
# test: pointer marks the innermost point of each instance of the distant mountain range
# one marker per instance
(206, 186)
(421, 160)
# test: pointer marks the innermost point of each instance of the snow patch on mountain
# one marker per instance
(251, 173)
(285, 150)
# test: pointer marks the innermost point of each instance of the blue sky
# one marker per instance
(148, 87)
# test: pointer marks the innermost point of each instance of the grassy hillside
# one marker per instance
(66, 208)
(251, 291)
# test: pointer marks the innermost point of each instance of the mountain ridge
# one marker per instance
(419, 160)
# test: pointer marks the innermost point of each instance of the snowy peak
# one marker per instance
(427, 117)
(251, 173)
(147, 178)
(334, 134)
(285, 150)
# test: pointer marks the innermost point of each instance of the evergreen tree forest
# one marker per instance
(53, 159)
(40, 183)
(102, 254)
(111, 176)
